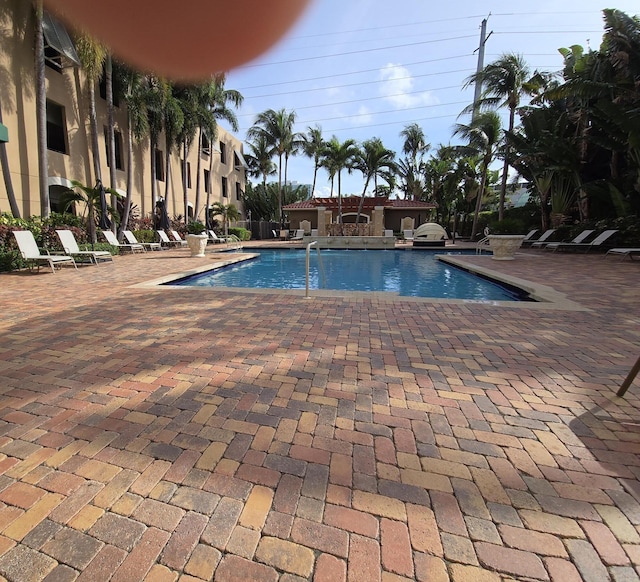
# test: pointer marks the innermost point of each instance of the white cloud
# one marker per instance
(398, 88)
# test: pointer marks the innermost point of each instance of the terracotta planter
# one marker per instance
(197, 243)
(504, 246)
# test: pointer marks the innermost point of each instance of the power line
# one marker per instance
(367, 98)
(383, 48)
(353, 84)
(353, 73)
(380, 112)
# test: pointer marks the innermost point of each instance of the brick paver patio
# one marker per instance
(178, 434)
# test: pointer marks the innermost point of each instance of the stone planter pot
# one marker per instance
(504, 246)
(197, 243)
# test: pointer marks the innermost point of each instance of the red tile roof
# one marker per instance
(351, 203)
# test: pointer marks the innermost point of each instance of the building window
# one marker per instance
(225, 193)
(56, 128)
(223, 153)
(116, 85)
(207, 182)
(188, 172)
(206, 144)
(117, 138)
(159, 165)
(238, 191)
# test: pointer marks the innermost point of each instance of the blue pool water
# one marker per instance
(406, 273)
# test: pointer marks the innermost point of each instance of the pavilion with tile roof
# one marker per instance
(390, 212)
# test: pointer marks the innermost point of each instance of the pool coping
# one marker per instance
(545, 297)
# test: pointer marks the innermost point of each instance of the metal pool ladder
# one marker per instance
(313, 244)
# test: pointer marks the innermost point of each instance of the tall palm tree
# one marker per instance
(92, 56)
(132, 84)
(312, 146)
(259, 160)
(414, 147)
(153, 95)
(111, 139)
(372, 159)
(173, 122)
(337, 157)
(505, 81)
(484, 135)
(41, 112)
(277, 128)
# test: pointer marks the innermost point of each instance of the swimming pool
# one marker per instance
(405, 273)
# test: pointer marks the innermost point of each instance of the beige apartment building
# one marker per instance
(70, 155)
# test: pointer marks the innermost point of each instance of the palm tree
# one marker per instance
(228, 212)
(505, 82)
(132, 83)
(277, 129)
(259, 159)
(414, 147)
(92, 57)
(312, 146)
(337, 157)
(91, 197)
(153, 96)
(221, 102)
(373, 159)
(483, 134)
(172, 122)
(41, 113)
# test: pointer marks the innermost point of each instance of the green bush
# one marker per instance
(241, 233)
(507, 226)
(195, 227)
(145, 235)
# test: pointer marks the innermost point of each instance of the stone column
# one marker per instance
(322, 228)
(378, 221)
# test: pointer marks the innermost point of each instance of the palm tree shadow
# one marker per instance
(611, 432)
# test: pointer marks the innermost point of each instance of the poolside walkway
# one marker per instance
(157, 435)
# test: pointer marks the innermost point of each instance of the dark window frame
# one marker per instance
(57, 134)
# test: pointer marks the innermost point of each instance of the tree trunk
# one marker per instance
(41, 115)
(167, 177)
(111, 137)
(185, 195)
(483, 180)
(154, 189)
(339, 203)
(8, 183)
(280, 217)
(94, 132)
(198, 172)
(127, 203)
(361, 204)
(505, 167)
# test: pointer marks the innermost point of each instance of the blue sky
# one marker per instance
(363, 69)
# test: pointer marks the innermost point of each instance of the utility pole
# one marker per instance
(480, 49)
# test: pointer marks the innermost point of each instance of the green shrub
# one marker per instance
(507, 226)
(11, 260)
(241, 233)
(195, 227)
(145, 235)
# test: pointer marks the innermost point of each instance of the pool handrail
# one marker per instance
(312, 244)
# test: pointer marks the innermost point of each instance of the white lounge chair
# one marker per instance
(408, 235)
(594, 244)
(71, 247)
(31, 253)
(176, 236)
(113, 241)
(542, 241)
(213, 237)
(165, 240)
(132, 240)
(299, 235)
(388, 233)
(623, 252)
(553, 246)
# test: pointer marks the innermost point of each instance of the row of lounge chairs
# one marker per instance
(33, 254)
(580, 242)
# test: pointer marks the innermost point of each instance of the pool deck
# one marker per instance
(161, 434)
